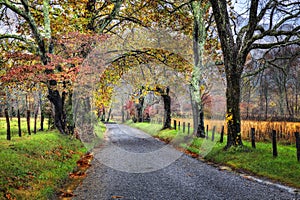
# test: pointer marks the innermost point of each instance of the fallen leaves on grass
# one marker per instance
(165, 140)
(10, 197)
(83, 164)
(76, 177)
(77, 174)
(66, 194)
(85, 160)
(193, 155)
(186, 151)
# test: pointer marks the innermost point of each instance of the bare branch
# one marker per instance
(275, 44)
(176, 8)
(107, 20)
(255, 72)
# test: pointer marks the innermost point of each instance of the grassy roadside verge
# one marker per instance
(34, 167)
(260, 162)
(37, 166)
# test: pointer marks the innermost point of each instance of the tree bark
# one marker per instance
(56, 100)
(167, 111)
(70, 116)
(233, 118)
(139, 108)
(103, 114)
(199, 36)
(108, 116)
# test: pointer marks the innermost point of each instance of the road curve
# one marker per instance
(132, 165)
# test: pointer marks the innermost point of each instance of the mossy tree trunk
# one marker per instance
(199, 36)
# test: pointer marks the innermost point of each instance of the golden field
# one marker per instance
(263, 129)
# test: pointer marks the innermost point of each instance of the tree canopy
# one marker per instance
(59, 45)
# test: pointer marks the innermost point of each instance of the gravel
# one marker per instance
(133, 165)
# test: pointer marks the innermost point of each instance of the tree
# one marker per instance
(34, 32)
(262, 19)
(199, 38)
(101, 14)
(41, 38)
(281, 71)
(175, 15)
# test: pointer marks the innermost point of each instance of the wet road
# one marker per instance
(133, 165)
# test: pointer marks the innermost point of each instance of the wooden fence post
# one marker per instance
(175, 124)
(189, 125)
(49, 121)
(213, 133)
(42, 120)
(298, 145)
(28, 122)
(253, 137)
(274, 143)
(222, 135)
(179, 125)
(19, 123)
(206, 132)
(35, 121)
(8, 135)
(183, 128)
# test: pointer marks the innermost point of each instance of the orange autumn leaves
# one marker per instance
(77, 176)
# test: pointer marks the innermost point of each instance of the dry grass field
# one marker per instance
(263, 129)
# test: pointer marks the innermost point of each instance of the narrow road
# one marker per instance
(133, 165)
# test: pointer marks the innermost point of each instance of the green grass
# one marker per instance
(100, 130)
(14, 127)
(260, 161)
(36, 166)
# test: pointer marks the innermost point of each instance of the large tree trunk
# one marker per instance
(167, 111)
(103, 114)
(108, 116)
(233, 118)
(70, 115)
(194, 110)
(56, 100)
(139, 108)
(234, 60)
(198, 48)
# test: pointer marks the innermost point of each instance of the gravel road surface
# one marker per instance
(132, 165)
